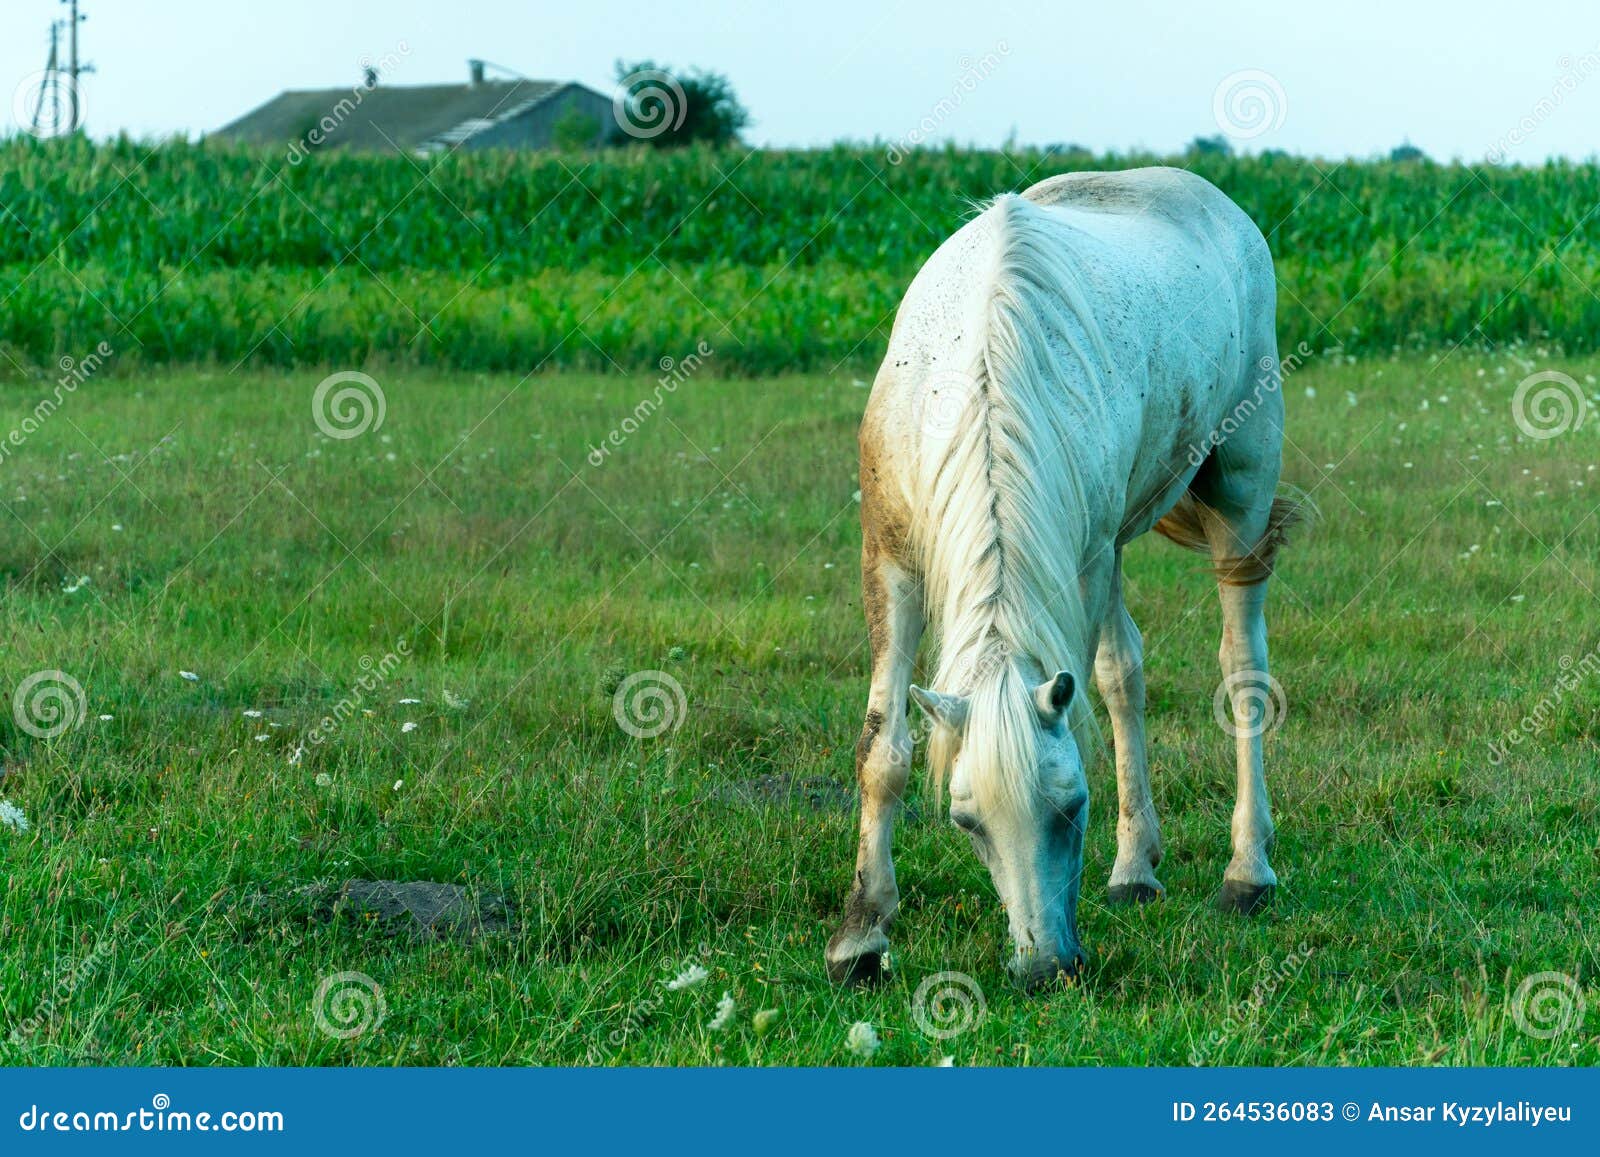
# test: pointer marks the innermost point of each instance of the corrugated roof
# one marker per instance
(381, 118)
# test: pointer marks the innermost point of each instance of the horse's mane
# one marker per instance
(1005, 508)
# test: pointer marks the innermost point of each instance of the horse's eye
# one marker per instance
(966, 821)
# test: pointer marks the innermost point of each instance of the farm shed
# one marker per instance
(429, 118)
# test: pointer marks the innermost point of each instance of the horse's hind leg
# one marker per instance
(1249, 880)
(1239, 517)
(1119, 672)
(893, 601)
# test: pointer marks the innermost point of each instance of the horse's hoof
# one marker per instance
(864, 971)
(1133, 894)
(1244, 899)
(856, 951)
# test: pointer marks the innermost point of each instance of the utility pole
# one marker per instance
(59, 109)
(72, 43)
(74, 69)
(47, 112)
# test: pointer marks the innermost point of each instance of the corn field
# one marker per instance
(777, 260)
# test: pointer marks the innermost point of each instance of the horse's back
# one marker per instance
(1176, 227)
(1177, 254)
(1191, 204)
(1176, 305)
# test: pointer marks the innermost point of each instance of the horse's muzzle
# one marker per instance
(1038, 971)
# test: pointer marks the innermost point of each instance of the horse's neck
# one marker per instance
(1011, 486)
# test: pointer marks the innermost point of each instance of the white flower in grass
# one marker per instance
(107, 718)
(688, 978)
(83, 581)
(398, 784)
(324, 779)
(863, 1040)
(294, 756)
(263, 737)
(724, 1015)
(454, 701)
(11, 816)
(189, 675)
(409, 702)
(251, 713)
(408, 726)
(946, 1063)
(763, 1021)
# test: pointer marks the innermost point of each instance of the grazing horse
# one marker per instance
(1078, 364)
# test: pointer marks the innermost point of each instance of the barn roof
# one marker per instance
(384, 118)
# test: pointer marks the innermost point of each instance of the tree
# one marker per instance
(1217, 146)
(669, 109)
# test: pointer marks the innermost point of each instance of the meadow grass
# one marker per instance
(162, 906)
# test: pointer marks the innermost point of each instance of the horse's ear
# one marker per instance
(951, 710)
(1054, 696)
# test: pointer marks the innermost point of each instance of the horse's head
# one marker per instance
(1018, 789)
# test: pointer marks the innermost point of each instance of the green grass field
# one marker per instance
(165, 904)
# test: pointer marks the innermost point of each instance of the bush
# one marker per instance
(671, 110)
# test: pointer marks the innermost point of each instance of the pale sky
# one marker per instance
(1352, 78)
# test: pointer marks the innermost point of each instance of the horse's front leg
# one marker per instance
(1119, 672)
(892, 597)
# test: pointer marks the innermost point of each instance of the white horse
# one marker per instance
(1076, 365)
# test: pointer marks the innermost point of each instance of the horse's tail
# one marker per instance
(1185, 524)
